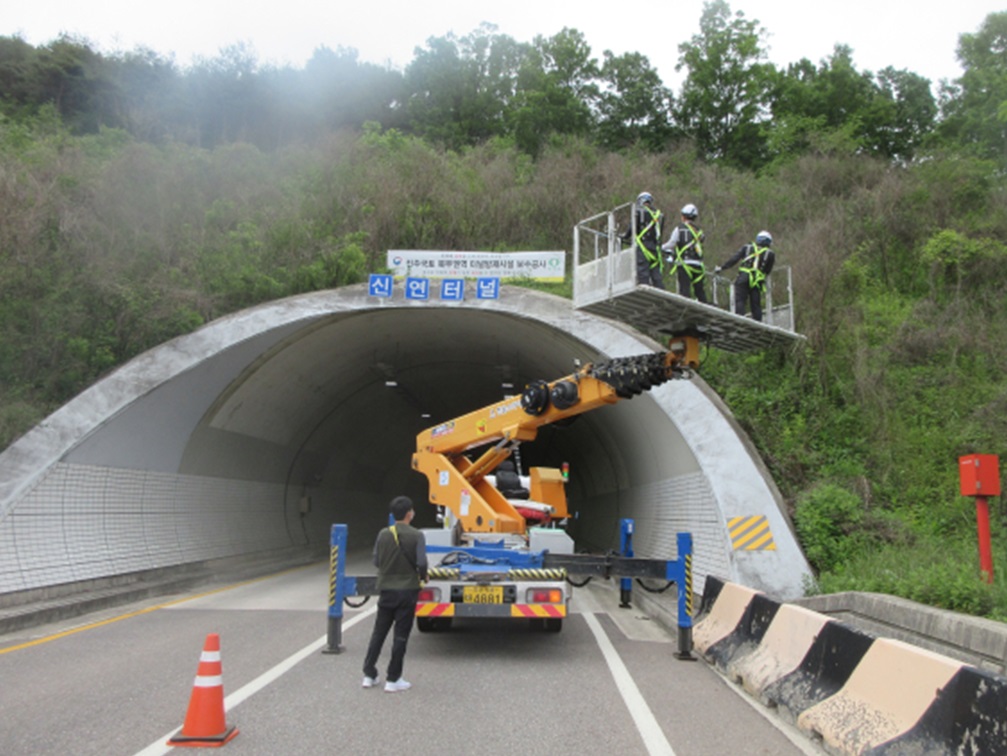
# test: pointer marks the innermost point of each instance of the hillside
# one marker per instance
(113, 240)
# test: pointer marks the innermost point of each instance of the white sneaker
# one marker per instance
(370, 682)
(398, 685)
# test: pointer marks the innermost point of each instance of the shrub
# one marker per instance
(827, 519)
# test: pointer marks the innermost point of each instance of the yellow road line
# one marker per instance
(110, 620)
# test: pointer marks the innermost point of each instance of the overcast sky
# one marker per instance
(920, 37)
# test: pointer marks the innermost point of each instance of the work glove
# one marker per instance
(717, 269)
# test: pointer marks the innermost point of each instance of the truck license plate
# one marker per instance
(482, 594)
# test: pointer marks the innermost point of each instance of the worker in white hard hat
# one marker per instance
(685, 252)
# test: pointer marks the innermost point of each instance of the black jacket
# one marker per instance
(401, 562)
(746, 256)
(650, 222)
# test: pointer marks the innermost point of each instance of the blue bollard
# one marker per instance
(683, 584)
(626, 549)
(337, 589)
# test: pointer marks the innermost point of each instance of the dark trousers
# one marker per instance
(686, 287)
(646, 272)
(394, 608)
(744, 294)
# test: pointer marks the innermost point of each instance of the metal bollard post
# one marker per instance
(337, 575)
(684, 587)
(626, 548)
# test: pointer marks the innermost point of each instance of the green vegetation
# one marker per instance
(138, 202)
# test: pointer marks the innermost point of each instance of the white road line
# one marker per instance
(646, 724)
(160, 747)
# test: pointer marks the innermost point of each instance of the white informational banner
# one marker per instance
(543, 266)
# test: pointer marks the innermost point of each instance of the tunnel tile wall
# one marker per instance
(666, 508)
(663, 509)
(116, 521)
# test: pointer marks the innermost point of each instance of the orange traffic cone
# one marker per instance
(204, 723)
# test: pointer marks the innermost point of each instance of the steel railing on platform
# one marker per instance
(605, 283)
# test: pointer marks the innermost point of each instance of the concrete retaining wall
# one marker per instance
(857, 693)
(977, 641)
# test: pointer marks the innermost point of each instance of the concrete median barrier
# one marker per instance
(780, 653)
(724, 613)
(856, 693)
(887, 693)
(966, 717)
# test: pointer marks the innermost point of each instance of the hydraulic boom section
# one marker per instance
(459, 483)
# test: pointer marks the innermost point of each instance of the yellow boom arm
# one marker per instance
(460, 484)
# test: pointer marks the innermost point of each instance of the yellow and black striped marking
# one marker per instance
(751, 533)
(688, 584)
(534, 611)
(443, 573)
(537, 574)
(333, 562)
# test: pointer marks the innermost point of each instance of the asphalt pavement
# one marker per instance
(119, 682)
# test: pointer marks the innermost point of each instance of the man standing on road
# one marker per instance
(400, 554)
(756, 264)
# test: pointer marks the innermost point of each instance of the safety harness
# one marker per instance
(696, 272)
(653, 257)
(752, 266)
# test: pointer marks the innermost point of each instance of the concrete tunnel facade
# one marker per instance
(258, 431)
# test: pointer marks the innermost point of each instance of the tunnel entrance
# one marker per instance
(262, 429)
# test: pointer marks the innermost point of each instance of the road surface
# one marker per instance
(119, 682)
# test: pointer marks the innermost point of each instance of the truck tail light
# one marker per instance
(428, 596)
(545, 596)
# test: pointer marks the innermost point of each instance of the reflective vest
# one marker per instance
(654, 257)
(752, 265)
(696, 271)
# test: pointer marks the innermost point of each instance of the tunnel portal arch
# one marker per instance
(259, 430)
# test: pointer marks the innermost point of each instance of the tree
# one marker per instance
(902, 114)
(889, 115)
(634, 107)
(975, 106)
(345, 92)
(224, 94)
(148, 87)
(75, 79)
(458, 91)
(724, 98)
(334, 91)
(16, 60)
(557, 87)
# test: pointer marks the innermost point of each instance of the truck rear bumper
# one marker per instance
(520, 611)
(517, 607)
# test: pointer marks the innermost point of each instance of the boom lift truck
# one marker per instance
(497, 557)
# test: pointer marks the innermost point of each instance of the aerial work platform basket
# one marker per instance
(604, 283)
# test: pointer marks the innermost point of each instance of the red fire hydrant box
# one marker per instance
(980, 474)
